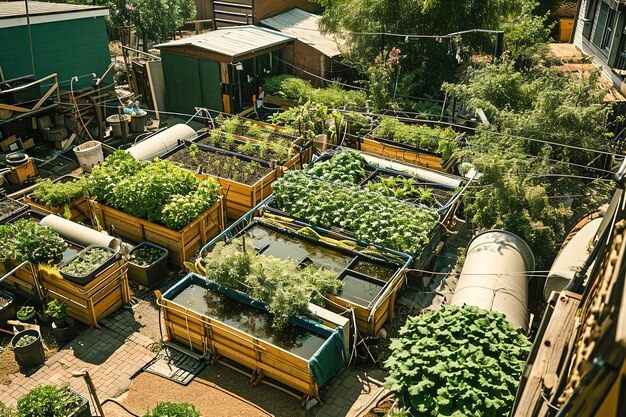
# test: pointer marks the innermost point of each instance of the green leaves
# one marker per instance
(373, 217)
(459, 361)
(344, 168)
(49, 401)
(57, 194)
(429, 138)
(25, 240)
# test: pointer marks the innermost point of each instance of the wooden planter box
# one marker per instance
(22, 280)
(89, 303)
(407, 153)
(182, 244)
(205, 334)
(79, 208)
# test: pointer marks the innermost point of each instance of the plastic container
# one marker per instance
(151, 275)
(119, 124)
(89, 154)
(83, 409)
(85, 279)
(8, 311)
(31, 355)
(138, 122)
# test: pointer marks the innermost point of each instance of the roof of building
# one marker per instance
(13, 13)
(233, 42)
(304, 26)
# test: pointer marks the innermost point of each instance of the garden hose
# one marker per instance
(120, 404)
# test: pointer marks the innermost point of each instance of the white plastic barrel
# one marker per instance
(159, 144)
(494, 276)
(89, 154)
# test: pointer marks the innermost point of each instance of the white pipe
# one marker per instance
(159, 144)
(494, 276)
(78, 233)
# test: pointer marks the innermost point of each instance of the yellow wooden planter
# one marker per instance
(182, 244)
(79, 208)
(399, 153)
(89, 303)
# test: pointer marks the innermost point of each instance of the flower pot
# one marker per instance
(89, 154)
(149, 275)
(31, 355)
(64, 331)
(119, 124)
(7, 307)
(138, 122)
(85, 279)
(83, 409)
(27, 318)
(16, 159)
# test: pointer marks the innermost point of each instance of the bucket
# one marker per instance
(119, 124)
(138, 122)
(15, 159)
(31, 355)
(89, 154)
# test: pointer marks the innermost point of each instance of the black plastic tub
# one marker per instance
(10, 209)
(7, 307)
(31, 355)
(148, 275)
(85, 279)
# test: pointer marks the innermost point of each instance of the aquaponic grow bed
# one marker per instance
(303, 356)
(371, 276)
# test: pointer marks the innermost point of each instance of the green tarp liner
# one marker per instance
(330, 358)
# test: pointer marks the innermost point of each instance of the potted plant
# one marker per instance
(28, 349)
(147, 264)
(53, 401)
(62, 325)
(87, 264)
(26, 314)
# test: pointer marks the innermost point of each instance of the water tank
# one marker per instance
(159, 144)
(570, 258)
(78, 233)
(494, 276)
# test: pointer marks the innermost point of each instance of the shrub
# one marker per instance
(25, 240)
(173, 410)
(48, 401)
(57, 194)
(6, 411)
(457, 361)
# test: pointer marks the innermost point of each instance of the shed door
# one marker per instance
(182, 83)
(211, 86)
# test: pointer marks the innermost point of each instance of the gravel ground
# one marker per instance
(9, 366)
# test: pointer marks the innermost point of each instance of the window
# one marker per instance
(604, 26)
(620, 60)
(587, 20)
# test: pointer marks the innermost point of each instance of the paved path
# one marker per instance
(112, 354)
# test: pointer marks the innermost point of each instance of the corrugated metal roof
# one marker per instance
(233, 42)
(304, 26)
(13, 9)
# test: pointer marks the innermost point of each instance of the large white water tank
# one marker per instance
(571, 258)
(159, 144)
(494, 276)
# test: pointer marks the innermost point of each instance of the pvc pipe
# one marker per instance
(494, 276)
(161, 143)
(571, 258)
(78, 233)
(426, 174)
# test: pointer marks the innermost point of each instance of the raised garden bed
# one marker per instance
(370, 278)
(404, 152)
(9, 209)
(245, 181)
(106, 293)
(207, 318)
(159, 203)
(63, 196)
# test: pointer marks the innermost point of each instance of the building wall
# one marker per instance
(311, 60)
(190, 82)
(70, 47)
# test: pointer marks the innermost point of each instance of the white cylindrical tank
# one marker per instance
(494, 276)
(570, 258)
(161, 143)
(78, 233)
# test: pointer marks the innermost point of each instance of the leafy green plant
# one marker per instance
(344, 167)
(106, 176)
(283, 286)
(429, 138)
(145, 255)
(25, 240)
(193, 152)
(7, 411)
(25, 311)
(373, 217)
(301, 91)
(460, 361)
(25, 340)
(166, 409)
(48, 401)
(57, 194)
(57, 309)
(402, 188)
(87, 261)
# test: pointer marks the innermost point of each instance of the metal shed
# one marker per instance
(314, 52)
(67, 39)
(221, 69)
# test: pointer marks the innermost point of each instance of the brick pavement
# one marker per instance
(112, 354)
